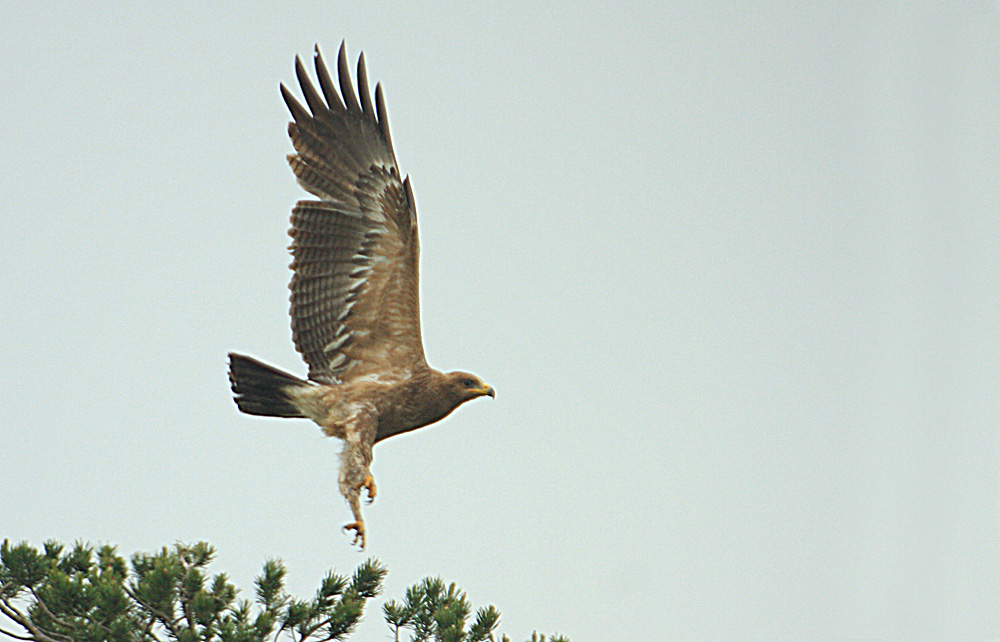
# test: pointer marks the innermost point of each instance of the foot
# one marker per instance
(359, 533)
(368, 483)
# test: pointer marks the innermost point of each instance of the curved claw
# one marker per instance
(368, 483)
(359, 533)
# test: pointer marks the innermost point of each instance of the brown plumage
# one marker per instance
(355, 301)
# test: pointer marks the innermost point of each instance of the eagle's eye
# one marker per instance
(468, 383)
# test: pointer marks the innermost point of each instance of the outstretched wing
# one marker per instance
(354, 301)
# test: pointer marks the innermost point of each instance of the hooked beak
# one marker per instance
(490, 392)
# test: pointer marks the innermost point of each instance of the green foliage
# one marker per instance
(87, 595)
(337, 606)
(436, 613)
(541, 638)
(73, 595)
(81, 596)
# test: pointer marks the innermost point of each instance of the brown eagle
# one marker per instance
(354, 298)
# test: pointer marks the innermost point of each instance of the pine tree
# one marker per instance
(85, 595)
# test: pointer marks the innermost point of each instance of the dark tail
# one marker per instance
(260, 389)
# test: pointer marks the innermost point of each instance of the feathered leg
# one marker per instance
(355, 459)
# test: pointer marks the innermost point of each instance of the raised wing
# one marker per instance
(354, 303)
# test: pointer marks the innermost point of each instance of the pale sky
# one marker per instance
(732, 268)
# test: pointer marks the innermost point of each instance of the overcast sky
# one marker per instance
(732, 268)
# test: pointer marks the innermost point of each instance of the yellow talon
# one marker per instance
(359, 533)
(369, 484)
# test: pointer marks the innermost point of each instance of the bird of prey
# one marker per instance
(354, 298)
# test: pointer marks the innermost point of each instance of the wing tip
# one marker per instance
(299, 113)
(363, 90)
(338, 97)
(346, 85)
(347, 98)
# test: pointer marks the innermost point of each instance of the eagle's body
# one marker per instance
(355, 300)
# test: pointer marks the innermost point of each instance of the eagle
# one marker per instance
(355, 303)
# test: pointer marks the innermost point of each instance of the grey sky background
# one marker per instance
(732, 269)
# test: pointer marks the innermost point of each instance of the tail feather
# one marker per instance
(260, 389)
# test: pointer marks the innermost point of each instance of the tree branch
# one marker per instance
(167, 622)
(36, 633)
(148, 631)
(282, 628)
(14, 635)
(57, 620)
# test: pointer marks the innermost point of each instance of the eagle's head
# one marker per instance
(464, 386)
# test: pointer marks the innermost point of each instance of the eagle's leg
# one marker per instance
(355, 475)
(368, 483)
(354, 501)
(353, 496)
(359, 532)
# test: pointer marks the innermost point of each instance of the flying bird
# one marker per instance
(355, 304)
